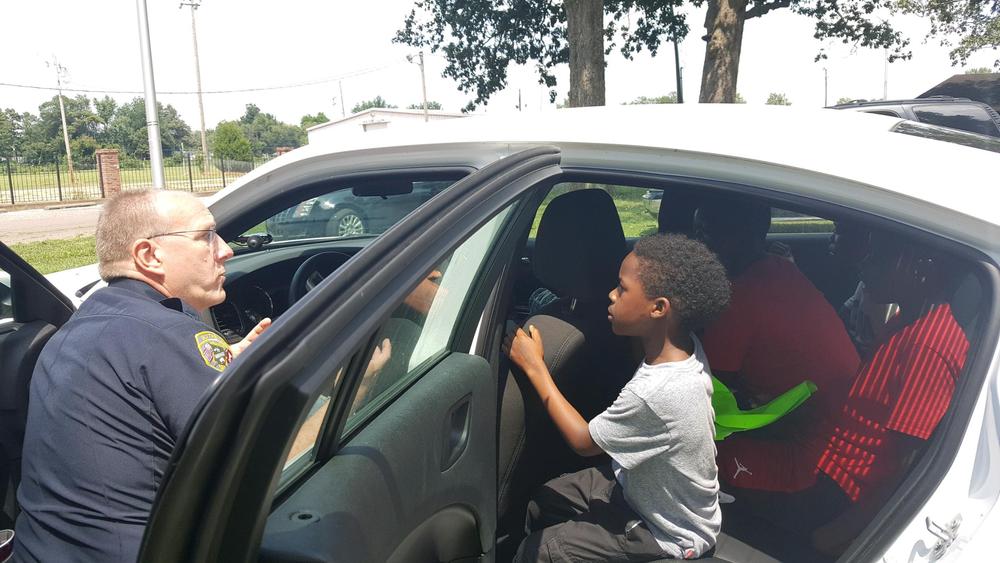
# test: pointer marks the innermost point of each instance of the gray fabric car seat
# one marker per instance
(578, 251)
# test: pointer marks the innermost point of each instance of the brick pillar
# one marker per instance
(109, 172)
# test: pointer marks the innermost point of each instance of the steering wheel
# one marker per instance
(312, 272)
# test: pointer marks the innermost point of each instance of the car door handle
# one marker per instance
(456, 432)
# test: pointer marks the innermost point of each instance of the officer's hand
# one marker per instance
(239, 347)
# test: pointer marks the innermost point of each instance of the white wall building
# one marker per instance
(374, 119)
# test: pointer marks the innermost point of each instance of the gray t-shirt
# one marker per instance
(660, 436)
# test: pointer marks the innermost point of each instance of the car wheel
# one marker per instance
(346, 222)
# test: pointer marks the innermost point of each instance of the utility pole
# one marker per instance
(343, 111)
(149, 87)
(60, 70)
(826, 83)
(423, 80)
(677, 65)
(197, 74)
(885, 76)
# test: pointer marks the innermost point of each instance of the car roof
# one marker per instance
(907, 101)
(853, 146)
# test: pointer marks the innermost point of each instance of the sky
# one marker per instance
(246, 44)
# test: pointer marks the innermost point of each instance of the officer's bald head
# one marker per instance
(128, 217)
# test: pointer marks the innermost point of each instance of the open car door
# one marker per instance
(362, 426)
(31, 310)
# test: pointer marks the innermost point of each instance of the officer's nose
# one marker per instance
(223, 251)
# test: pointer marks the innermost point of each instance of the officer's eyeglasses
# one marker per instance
(208, 236)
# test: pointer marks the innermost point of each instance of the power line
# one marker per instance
(234, 91)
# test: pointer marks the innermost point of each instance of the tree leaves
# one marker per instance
(975, 24)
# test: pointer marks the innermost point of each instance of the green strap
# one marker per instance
(729, 418)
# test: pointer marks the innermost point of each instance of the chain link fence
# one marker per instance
(22, 183)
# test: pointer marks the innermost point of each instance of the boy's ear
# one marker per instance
(661, 307)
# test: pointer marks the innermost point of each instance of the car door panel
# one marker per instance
(215, 498)
(418, 502)
(37, 309)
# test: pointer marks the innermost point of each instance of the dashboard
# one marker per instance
(257, 284)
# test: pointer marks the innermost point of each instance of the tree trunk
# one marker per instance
(585, 31)
(724, 27)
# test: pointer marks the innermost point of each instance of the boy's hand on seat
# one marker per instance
(525, 349)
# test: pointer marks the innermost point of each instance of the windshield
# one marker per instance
(341, 214)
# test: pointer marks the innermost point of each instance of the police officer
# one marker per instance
(114, 388)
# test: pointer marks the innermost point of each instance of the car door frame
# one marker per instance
(218, 488)
(47, 302)
(33, 298)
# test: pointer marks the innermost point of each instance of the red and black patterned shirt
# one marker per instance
(904, 388)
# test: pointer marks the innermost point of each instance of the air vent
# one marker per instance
(227, 320)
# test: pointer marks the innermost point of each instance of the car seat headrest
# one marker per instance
(580, 245)
(676, 214)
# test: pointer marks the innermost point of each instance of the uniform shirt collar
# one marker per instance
(144, 289)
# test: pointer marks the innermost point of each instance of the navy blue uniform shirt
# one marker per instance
(111, 393)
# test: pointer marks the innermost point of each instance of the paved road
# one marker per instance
(54, 222)
(32, 225)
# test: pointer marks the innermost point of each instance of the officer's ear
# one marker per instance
(146, 257)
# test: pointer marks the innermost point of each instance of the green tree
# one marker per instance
(36, 146)
(975, 24)
(266, 133)
(376, 102)
(80, 119)
(83, 148)
(480, 39)
(980, 70)
(308, 121)
(670, 98)
(777, 99)
(127, 129)
(251, 113)
(857, 22)
(11, 133)
(105, 108)
(229, 142)
(739, 99)
(420, 106)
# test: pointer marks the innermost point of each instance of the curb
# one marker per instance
(72, 205)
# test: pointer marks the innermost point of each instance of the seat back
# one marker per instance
(578, 250)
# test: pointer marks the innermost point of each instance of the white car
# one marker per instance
(287, 461)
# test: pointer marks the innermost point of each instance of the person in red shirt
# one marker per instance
(778, 331)
(895, 402)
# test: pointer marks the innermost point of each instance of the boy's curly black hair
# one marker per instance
(687, 273)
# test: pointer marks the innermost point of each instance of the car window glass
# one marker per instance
(884, 112)
(784, 221)
(6, 298)
(304, 445)
(637, 207)
(965, 138)
(958, 116)
(341, 214)
(421, 328)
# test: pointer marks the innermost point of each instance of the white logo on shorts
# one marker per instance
(740, 468)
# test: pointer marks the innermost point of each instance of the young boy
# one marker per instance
(659, 497)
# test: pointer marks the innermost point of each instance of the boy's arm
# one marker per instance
(526, 351)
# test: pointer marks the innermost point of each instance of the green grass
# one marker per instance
(55, 255)
(637, 218)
